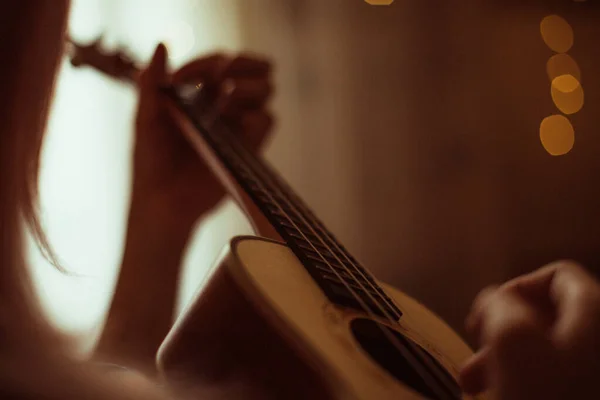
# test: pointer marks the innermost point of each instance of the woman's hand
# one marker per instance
(539, 335)
(168, 174)
(172, 187)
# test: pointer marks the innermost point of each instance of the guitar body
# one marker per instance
(260, 320)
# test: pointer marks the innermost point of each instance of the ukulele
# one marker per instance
(290, 311)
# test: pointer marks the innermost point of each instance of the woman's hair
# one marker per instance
(34, 358)
(34, 361)
(31, 46)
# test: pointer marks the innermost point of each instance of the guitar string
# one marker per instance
(364, 272)
(363, 305)
(387, 332)
(368, 276)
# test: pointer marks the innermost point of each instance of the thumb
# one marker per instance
(150, 81)
(522, 359)
(155, 73)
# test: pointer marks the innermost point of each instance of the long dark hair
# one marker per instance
(31, 44)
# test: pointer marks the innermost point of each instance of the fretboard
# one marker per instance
(341, 277)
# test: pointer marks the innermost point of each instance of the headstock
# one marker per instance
(113, 63)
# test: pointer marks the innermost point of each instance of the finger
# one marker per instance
(513, 321)
(256, 127)
(533, 287)
(156, 72)
(521, 357)
(576, 295)
(247, 66)
(207, 69)
(535, 284)
(251, 91)
(245, 95)
(473, 320)
(472, 378)
(151, 79)
(561, 292)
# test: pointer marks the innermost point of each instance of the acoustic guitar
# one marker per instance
(290, 310)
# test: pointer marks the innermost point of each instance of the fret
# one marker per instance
(265, 199)
(335, 258)
(352, 280)
(253, 185)
(302, 227)
(320, 255)
(297, 235)
(244, 173)
(299, 222)
(293, 222)
(324, 269)
(285, 223)
(251, 182)
(307, 245)
(316, 257)
(280, 210)
(275, 207)
(354, 286)
(238, 165)
(320, 264)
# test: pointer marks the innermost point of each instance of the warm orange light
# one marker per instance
(562, 64)
(557, 33)
(557, 135)
(566, 83)
(567, 94)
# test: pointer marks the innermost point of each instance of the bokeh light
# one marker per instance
(557, 33)
(562, 64)
(557, 135)
(567, 94)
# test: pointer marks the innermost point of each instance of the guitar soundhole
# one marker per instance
(371, 337)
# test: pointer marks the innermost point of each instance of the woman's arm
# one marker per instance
(142, 309)
(172, 189)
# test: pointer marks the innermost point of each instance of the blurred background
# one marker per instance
(449, 146)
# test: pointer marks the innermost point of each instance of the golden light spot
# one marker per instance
(562, 64)
(565, 83)
(379, 2)
(567, 94)
(557, 33)
(557, 135)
